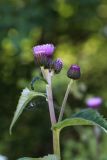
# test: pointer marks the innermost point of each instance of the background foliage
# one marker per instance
(79, 31)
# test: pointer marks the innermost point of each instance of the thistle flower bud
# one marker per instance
(45, 49)
(57, 65)
(43, 53)
(94, 102)
(74, 72)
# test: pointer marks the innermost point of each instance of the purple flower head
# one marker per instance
(94, 102)
(57, 65)
(74, 72)
(45, 49)
(43, 54)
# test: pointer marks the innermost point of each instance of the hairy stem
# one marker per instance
(56, 144)
(50, 99)
(47, 76)
(64, 101)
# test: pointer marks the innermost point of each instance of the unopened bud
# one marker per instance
(74, 72)
(57, 65)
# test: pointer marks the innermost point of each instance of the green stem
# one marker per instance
(56, 143)
(64, 101)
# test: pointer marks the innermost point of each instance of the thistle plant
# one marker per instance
(43, 56)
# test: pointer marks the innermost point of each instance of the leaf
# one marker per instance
(84, 117)
(49, 157)
(24, 99)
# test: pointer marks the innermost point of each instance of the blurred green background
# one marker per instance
(78, 29)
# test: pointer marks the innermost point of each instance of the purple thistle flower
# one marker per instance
(57, 65)
(43, 54)
(45, 49)
(94, 102)
(74, 72)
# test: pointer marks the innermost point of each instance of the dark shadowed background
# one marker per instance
(78, 29)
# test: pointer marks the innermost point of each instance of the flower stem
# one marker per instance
(64, 101)
(56, 144)
(50, 99)
(48, 77)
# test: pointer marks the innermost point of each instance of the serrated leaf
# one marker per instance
(84, 117)
(49, 157)
(24, 99)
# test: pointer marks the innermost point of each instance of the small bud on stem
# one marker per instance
(74, 72)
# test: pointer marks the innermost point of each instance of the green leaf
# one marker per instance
(49, 157)
(84, 117)
(24, 99)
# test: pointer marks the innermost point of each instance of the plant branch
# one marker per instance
(65, 100)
